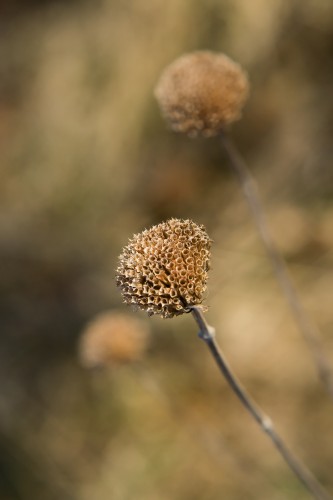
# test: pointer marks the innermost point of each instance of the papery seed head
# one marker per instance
(202, 92)
(112, 338)
(181, 287)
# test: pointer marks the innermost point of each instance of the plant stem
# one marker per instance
(207, 333)
(309, 330)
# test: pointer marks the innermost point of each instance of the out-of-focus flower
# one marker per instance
(202, 92)
(113, 338)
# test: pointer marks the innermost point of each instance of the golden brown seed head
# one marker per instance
(112, 338)
(164, 269)
(202, 92)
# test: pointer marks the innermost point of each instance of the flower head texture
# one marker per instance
(112, 338)
(164, 269)
(202, 92)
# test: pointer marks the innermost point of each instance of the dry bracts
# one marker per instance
(163, 270)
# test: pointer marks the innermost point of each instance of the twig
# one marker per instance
(207, 333)
(308, 329)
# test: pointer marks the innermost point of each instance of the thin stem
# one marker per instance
(309, 330)
(207, 333)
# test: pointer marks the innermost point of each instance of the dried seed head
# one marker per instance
(112, 338)
(202, 92)
(163, 270)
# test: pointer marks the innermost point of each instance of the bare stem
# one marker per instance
(309, 330)
(207, 333)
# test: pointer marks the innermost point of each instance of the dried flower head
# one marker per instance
(163, 270)
(112, 338)
(202, 92)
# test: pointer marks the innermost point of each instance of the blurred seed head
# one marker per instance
(113, 338)
(164, 269)
(202, 92)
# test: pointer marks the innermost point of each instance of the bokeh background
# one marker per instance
(86, 161)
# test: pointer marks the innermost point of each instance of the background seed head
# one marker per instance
(112, 338)
(164, 269)
(202, 92)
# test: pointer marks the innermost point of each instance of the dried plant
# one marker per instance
(146, 266)
(202, 93)
(112, 338)
(163, 270)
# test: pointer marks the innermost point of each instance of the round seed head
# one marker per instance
(202, 92)
(112, 338)
(154, 273)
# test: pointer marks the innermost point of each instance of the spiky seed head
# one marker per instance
(164, 269)
(202, 92)
(112, 338)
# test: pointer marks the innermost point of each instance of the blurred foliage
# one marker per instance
(86, 161)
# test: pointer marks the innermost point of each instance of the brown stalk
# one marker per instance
(309, 330)
(207, 333)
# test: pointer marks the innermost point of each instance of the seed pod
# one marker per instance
(202, 92)
(165, 285)
(112, 338)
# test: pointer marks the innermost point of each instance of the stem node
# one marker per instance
(304, 475)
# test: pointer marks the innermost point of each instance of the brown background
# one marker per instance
(86, 161)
